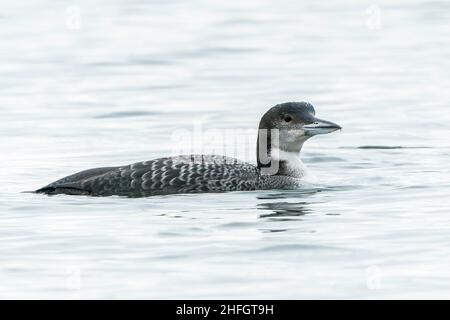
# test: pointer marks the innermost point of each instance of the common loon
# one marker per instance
(282, 131)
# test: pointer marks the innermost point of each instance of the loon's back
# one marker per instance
(180, 174)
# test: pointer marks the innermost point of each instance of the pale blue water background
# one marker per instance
(112, 87)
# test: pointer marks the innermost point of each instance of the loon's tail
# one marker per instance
(45, 190)
(60, 190)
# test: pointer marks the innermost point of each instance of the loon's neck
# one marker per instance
(275, 161)
(288, 163)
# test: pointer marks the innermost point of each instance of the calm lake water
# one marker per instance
(101, 83)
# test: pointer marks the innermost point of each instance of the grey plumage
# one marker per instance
(180, 174)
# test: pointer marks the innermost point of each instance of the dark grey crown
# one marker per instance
(297, 112)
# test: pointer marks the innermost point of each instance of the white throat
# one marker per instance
(294, 165)
(289, 156)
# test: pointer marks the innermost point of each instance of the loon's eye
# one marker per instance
(288, 118)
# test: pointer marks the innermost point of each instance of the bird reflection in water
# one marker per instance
(284, 211)
(281, 211)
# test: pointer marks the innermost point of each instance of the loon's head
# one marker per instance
(283, 130)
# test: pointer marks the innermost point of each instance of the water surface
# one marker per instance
(114, 86)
